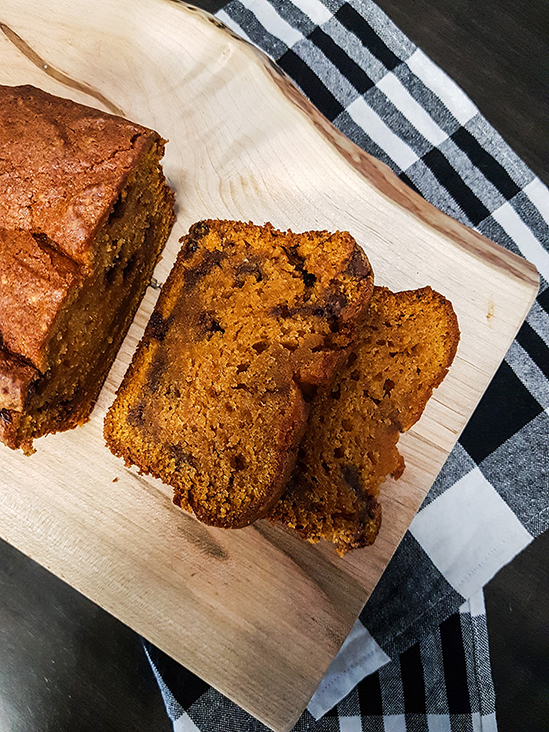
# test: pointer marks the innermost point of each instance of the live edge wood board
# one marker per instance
(256, 612)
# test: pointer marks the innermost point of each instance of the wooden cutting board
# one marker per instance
(256, 612)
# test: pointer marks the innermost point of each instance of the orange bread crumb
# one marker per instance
(251, 324)
(402, 353)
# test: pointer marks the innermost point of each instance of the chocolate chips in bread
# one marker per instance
(84, 214)
(250, 326)
(403, 351)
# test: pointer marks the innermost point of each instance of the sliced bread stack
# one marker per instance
(274, 380)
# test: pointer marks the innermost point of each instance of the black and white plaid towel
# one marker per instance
(441, 684)
(492, 497)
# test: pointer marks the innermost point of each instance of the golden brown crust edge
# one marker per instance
(68, 162)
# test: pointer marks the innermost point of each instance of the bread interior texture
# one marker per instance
(402, 352)
(98, 306)
(251, 323)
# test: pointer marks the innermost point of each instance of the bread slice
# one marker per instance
(85, 212)
(251, 324)
(402, 353)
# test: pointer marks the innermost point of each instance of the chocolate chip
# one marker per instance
(351, 476)
(298, 262)
(180, 456)
(284, 311)
(295, 258)
(357, 265)
(135, 416)
(158, 327)
(209, 324)
(193, 275)
(308, 278)
(200, 229)
(336, 302)
(191, 246)
(280, 311)
(251, 266)
(216, 327)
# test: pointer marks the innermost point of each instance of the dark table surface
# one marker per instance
(68, 666)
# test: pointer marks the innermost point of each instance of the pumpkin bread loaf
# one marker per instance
(250, 326)
(402, 353)
(85, 212)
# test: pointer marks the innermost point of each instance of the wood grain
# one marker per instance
(255, 612)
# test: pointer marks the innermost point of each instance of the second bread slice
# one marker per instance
(250, 325)
(403, 352)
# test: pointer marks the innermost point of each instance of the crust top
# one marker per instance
(62, 166)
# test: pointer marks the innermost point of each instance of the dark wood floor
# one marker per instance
(497, 51)
(67, 666)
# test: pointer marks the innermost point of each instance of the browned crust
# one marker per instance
(62, 167)
(65, 168)
(36, 284)
(16, 378)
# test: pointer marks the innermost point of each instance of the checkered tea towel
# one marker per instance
(492, 497)
(440, 684)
